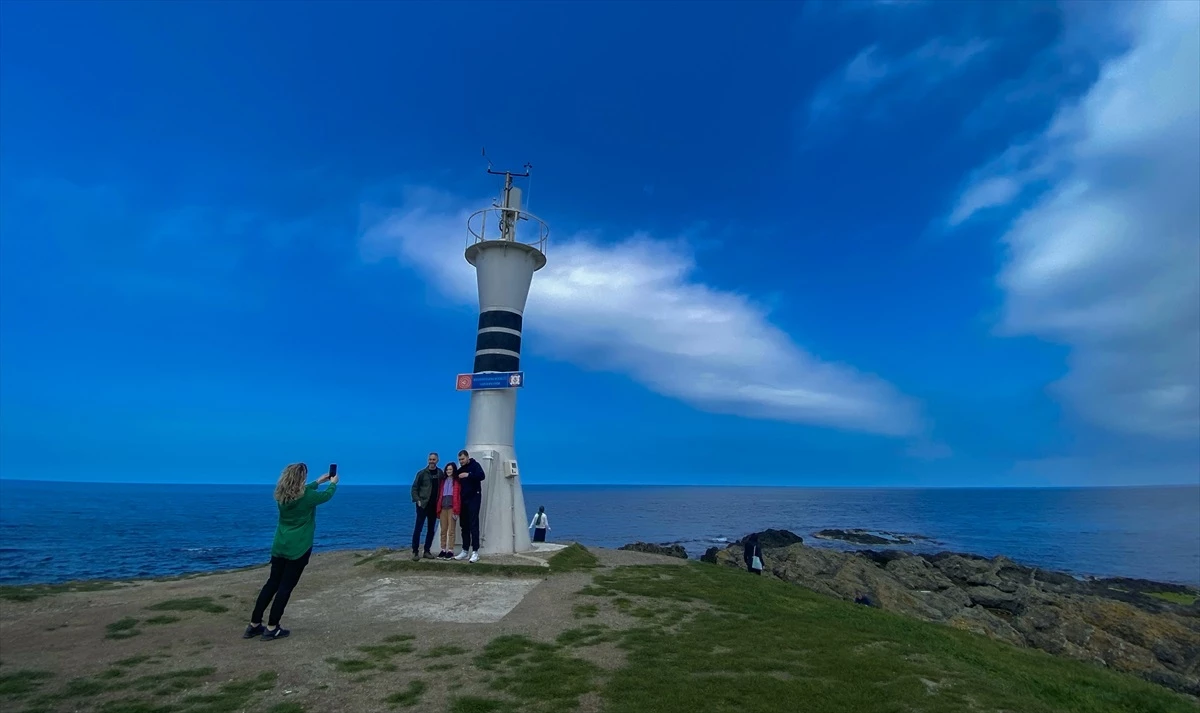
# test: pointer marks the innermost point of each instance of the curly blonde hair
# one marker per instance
(292, 482)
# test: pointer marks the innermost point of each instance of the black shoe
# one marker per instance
(254, 630)
(416, 556)
(445, 555)
(429, 555)
(277, 633)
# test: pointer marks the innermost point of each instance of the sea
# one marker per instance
(54, 532)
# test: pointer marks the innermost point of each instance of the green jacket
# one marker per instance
(298, 522)
(423, 485)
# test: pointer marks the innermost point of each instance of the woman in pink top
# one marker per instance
(449, 505)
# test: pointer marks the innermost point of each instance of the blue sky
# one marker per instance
(876, 243)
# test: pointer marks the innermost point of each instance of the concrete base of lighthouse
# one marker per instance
(502, 522)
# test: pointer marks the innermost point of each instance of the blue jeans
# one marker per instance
(424, 515)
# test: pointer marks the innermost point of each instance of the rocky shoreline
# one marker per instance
(1150, 629)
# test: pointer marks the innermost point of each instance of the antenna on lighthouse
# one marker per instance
(510, 200)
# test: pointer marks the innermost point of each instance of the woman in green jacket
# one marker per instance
(292, 546)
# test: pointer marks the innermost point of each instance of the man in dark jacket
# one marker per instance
(470, 477)
(424, 497)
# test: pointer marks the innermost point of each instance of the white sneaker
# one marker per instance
(462, 555)
(474, 556)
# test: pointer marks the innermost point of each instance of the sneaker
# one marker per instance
(428, 555)
(254, 630)
(463, 555)
(474, 556)
(277, 633)
(447, 555)
(416, 556)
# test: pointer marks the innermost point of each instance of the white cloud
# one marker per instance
(634, 308)
(873, 82)
(1107, 259)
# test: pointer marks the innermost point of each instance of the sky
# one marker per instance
(892, 243)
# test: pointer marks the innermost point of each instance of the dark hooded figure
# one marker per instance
(753, 554)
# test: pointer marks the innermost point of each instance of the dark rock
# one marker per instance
(710, 555)
(652, 549)
(883, 557)
(771, 539)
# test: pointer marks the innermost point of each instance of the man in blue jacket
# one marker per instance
(470, 478)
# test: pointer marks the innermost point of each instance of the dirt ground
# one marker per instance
(337, 608)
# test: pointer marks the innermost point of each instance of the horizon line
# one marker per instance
(648, 485)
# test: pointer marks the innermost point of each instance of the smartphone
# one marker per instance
(333, 470)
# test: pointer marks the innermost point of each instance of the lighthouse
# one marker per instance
(506, 244)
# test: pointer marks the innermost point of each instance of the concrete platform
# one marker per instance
(458, 600)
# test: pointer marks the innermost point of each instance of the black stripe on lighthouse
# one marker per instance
(498, 343)
(500, 318)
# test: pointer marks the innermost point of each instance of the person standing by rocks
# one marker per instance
(424, 498)
(540, 524)
(291, 548)
(752, 554)
(470, 479)
(449, 506)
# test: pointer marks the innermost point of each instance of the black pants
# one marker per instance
(424, 516)
(285, 574)
(539, 534)
(469, 517)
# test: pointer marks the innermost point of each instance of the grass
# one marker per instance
(19, 684)
(763, 646)
(378, 657)
(439, 651)
(1174, 597)
(124, 629)
(203, 604)
(573, 558)
(409, 697)
(33, 592)
(586, 611)
(539, 676)
(162, 619)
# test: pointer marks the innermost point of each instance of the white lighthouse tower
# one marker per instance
(506, 244)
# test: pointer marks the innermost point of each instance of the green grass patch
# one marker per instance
(586, 611)
(475, 704)
(590, 635)
(232, 697)
(19, 684)
(765, 646)
(350, 665)
(124, 629)
(134, 661)
(32, 592)
(459, 569)
(1174, 597)
(162, 619)
(439, 651)
(540, 677)
(203, 604)
(410, 696)
(440, 667)
(378, 657)
(286, 708)
(574, 558)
